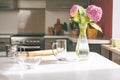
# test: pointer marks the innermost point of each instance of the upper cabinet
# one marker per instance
(48, 4)
(64, 4)
(31, 3)
(8, 4)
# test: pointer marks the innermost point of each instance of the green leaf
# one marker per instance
(81, 10)
(82, 31)
(94, 25)
(76, 17)
(83, 20)
(64, 26)
(71, 26)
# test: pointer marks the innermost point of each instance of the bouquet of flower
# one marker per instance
(91, 15)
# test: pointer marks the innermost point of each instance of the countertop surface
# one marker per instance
(112, 49)
(5, 36)
(74, 39)
(96, 67)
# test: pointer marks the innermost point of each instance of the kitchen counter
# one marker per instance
(112, 53)
(4, 36)
(115, 50)
(4, 40)
(2, 53)
(96, 67)
(91, 41)
(57, 36)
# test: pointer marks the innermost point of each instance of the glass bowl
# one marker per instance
(28, 61)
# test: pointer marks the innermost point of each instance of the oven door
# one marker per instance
(29, 48)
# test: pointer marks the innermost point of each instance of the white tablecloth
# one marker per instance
(95, 68)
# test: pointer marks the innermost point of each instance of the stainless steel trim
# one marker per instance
(29, 47)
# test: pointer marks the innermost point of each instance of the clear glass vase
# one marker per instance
(82, 46)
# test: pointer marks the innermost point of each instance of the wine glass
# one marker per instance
(59, 49)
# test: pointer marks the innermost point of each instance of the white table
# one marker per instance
(95, 68)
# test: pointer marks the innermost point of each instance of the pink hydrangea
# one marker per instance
(73, 10)
(94, 13)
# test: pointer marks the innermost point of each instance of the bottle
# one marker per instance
(58, 28)
(50, 30)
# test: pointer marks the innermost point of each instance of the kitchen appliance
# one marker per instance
(28, 42)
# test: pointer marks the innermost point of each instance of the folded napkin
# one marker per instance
(42, 52)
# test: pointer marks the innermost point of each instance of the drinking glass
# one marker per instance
(59, 49)
(11, 50)
(26, 60)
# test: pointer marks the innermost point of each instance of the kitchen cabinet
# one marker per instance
(50, 41)
(66, 4)
(95, 48)
(3, 43)
(71, 45)
(94, 45)
(116, 58)
(31, 3)
(110, 52)
(4, 40)
(8, 4)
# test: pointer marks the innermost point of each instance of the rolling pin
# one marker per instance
(42, 52)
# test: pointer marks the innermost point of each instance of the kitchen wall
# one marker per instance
(31, 21)
(9, 19)
(8, 22)
(106, 20)
(113, 26)
(116, 19)
(52, 16)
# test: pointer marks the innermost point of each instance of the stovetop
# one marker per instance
(27, 39)
(30, 35)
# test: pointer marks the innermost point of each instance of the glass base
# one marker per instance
(82, 57)
(82, 54)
